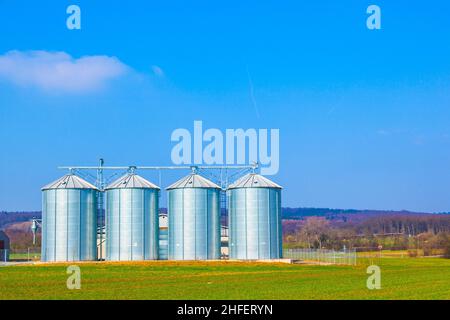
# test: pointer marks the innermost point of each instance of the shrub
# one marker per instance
(412, 253)
(447, 249)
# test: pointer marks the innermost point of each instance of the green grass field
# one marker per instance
(401, 278)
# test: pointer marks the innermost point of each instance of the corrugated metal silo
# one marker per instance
(69, 220)
(254, 213)
(132, 219)
(194, 219)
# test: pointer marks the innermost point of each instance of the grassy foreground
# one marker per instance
(401, 278)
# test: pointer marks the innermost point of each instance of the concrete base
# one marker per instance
(288, 261)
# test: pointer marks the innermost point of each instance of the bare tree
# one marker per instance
(315, 229)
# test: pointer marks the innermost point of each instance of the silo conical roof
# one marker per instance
(193, 180)
(253, 180)
(131, 181)
(69, 181)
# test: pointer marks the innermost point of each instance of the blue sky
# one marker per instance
(363, 115)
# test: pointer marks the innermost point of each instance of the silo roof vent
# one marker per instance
(253, 180)
(69, 181)
(131, 181)
(193, 180)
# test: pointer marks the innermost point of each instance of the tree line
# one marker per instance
(420, 234)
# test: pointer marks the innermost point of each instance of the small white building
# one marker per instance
(163, 237)
(101, 243)
(224, 241)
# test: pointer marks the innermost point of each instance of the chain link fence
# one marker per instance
(29, 254)
(344, 257)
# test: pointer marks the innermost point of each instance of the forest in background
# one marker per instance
(364, 230)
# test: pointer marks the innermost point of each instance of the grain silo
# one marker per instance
(69, 220)
(194, 219)
(254, 213)
(132, 219)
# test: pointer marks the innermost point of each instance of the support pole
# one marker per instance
(100, 185)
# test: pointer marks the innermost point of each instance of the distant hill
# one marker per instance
(344, 215)
(7, 218)
(17, 224)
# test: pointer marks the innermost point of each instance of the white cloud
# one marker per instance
(58, 71)
(157, 71)
(383, 132)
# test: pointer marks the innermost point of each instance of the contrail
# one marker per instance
(252, 95)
